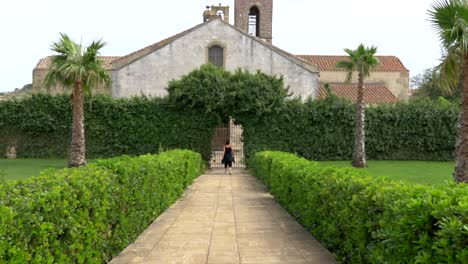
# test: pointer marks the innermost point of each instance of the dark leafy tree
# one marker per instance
(429, 86)
(239, 95)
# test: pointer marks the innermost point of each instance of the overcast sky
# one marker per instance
(28, 27)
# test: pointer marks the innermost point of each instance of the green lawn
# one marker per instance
(24, 168)
(424, 172)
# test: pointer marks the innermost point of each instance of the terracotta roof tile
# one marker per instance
(44, 63)
(374, 93)
(328, 63)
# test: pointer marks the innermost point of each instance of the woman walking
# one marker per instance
(228, 157)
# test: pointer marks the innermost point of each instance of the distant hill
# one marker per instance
(17, 93)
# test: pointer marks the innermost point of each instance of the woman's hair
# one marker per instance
(228, 142)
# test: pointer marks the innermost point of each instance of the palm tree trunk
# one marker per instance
(461, 161)
(77, 147)
(359, 154)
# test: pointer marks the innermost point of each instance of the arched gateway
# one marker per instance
(234, 134)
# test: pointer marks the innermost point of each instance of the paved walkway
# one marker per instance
(225, 219)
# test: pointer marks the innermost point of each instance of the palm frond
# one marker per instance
(450, 69)
(361, 60)
(74, 64)
(449, 19)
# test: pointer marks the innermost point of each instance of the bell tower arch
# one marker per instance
(255, 17)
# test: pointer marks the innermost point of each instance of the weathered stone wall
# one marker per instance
(241, 16)
(150, 74)
(396, 82)
(39, 87)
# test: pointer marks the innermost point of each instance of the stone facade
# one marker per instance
(223, 9)
(241, 16)
(396, 82)
(148, 71)
(390, 73)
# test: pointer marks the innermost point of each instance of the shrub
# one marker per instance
(40, 127)
(323, 130)
(370, 220)
(89, 214)
(318, 130)
(239, 95)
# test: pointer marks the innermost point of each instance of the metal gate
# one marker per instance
(223, 133)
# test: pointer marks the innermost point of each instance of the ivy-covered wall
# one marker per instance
(318, 130)
(323, 130)
(40, 127)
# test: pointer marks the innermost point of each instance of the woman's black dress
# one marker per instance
(228, 157)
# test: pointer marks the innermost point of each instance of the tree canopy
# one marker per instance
(240, 94)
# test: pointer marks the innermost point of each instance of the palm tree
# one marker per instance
(80, 69)
(450, 20)
(362, 61)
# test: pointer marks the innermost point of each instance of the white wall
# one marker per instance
(150, 75)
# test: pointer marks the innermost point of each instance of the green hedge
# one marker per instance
(323, 130)
(89, 214)
(40, 127)
(318, 130)
(370, 220)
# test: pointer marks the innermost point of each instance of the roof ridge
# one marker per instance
(44, 62)
(286, 54)
(380, 94)
(151, 48)
(388, 63)
(129, 58)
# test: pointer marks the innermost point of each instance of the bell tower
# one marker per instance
(254, 17)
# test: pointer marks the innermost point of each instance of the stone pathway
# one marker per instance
(225, 219)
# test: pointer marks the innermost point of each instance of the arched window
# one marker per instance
(216, 55)
(254, 21)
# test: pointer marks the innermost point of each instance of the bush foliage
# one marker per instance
(240, 95)
(323, 130)
(370, 220)
(89, 214)
(315, 129)
(40, 127)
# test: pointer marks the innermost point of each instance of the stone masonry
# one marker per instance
(148, 72)
(225, 219)
(241, 16)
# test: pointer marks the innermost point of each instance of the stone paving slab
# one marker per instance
(225, 219)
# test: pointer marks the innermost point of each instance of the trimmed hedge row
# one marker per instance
(89, 214)
(367, 219)
(319, 129)
(40, 127)
(324, 130)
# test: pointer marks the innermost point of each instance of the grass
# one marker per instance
(24, 168)
(423, 172)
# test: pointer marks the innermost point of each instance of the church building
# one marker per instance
(248, 45)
